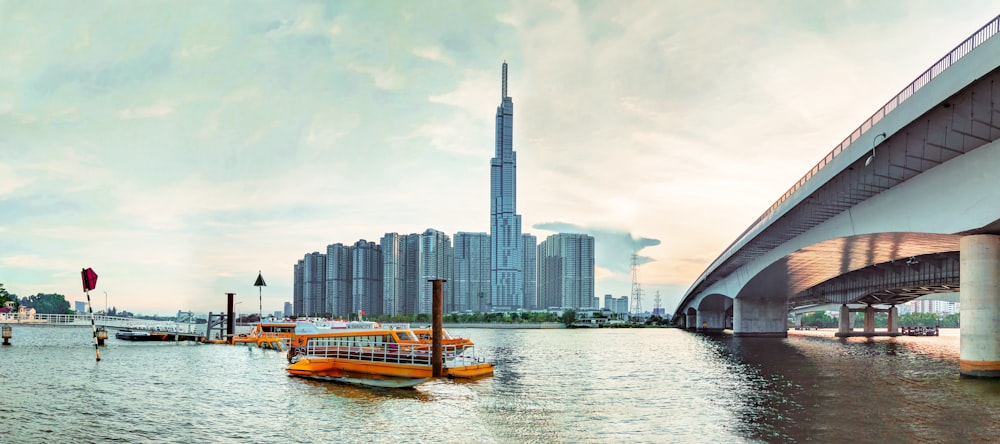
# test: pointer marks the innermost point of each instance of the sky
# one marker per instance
(178, 148)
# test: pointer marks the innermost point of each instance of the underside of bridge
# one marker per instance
(914, 210)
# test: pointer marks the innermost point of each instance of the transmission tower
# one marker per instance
(656, 303)
(636, 307)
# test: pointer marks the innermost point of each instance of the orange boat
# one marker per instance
(374, 356)
(275, 335)
(423, 336)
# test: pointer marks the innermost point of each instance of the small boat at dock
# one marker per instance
(129, 335)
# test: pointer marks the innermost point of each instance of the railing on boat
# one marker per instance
(453, 356)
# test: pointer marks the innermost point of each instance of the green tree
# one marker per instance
(818, 319)
(568, 317)
(953, 320)
(4, 296)
(919, 319)
(48, 303)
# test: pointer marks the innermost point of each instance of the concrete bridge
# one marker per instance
(907, 205)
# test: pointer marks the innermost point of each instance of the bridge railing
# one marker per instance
(107, 321)
(977, 38)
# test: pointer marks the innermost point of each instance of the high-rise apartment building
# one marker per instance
(339, 280)
(506, 259)
(298, 285)
(288, 311)
(435, 263)
(470, 284)
(566, 271)
(529, 251)
(366, 269)
(401, 278)
(314, 284)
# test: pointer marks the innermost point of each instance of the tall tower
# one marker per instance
(636, 310)
(506, 255)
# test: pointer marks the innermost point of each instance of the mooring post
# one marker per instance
(230, 319)
(436, 321)
(102, 335)
(7, 333)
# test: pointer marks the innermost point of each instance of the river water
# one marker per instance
(578, 386)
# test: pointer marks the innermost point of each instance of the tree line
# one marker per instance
(823, 320)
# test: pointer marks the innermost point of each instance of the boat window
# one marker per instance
(404, 336)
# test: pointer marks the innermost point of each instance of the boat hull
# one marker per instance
(140, 336)
(377, 374)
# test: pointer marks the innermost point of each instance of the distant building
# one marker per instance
(435, 263)
(339, 280)
(288, 312)
(81, 307)
(366, 269)
(400, 271)
(314, 284)
(620, 305)
(566, 271)
(934, 306)
(470, 284)
(529, 271)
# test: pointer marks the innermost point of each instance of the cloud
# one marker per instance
(434, 53)
(152, 111)
(613, 248)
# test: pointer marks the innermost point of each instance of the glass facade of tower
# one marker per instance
(506, 258)
(471, 273)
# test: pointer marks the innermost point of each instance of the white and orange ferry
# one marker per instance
(375, 356)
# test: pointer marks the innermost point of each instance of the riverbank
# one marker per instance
(508, 325)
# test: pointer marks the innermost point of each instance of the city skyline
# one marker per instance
(179, 157)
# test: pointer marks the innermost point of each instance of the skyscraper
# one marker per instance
(471, 272)
(530, 271)
(435, 263)
(401, 281)
(366, 285)
(314, 280)
(566, 271)
(506, 255)
(339, 279)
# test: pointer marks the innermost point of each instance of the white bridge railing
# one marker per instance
(101, 320)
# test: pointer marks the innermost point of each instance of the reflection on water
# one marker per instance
(600, 385)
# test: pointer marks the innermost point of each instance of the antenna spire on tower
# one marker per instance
(503, 93)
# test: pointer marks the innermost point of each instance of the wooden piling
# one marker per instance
(7, 334)
(436, 320)
(230, 318)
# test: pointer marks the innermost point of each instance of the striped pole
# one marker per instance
(93, 325)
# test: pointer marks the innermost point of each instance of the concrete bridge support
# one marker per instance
(893, 320)
(979, 350)
(711, 321)
(760, 317)
(692, 320)
(845, 321)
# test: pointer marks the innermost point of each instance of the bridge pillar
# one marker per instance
(893, 319)
(979, 346)
(692, 321)
(760, 317)
(845, 320)
(869, 319)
